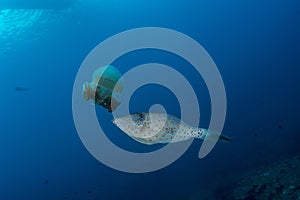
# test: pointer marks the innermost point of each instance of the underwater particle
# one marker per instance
(89, 192)
(105, 81)
(46, 181)
(280, 126)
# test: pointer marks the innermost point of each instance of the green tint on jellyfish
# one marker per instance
(100, 90)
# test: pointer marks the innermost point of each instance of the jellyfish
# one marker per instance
(105, 80)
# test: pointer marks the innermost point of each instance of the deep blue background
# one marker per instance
(255, 45)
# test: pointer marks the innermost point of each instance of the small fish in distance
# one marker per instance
(20, 89)
(154, 128)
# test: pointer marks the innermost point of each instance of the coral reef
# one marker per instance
(278, 181)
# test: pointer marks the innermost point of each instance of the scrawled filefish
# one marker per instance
(153, 128)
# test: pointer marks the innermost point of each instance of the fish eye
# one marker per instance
(138, 116)
(141, 115)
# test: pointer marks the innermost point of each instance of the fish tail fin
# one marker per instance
(213, 135)
(224, 138)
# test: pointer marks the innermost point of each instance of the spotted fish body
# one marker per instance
(153, 128)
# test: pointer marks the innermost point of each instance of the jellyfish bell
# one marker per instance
(107, 77)
(106, 85)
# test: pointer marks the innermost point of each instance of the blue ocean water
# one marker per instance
(255, 45)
